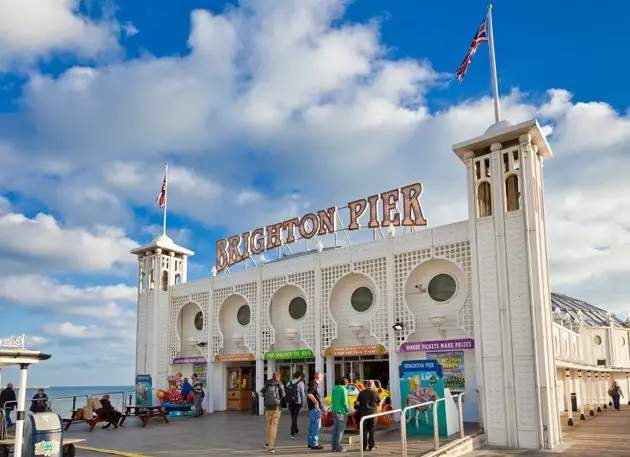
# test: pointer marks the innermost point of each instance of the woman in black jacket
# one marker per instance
(39, 403)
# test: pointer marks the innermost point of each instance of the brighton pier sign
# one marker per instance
(238, 248)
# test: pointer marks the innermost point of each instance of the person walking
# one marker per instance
(314, 411)
(272, 393)
(198, 395)
(368, 401)
(296, 399)
(340, 410)
(615, 393)
(8, 402)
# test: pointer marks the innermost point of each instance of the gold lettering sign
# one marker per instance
(237, 248)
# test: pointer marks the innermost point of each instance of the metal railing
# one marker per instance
(403, 422)
(130, 396)
(370, 416)
(65, 406)
(117, 399)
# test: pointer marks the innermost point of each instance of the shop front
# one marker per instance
(358, 364)
(290, 362)
(240, 377)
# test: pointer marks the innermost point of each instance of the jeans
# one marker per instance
(339, 426)
(313, 427)
(273, 418)
(369, 425)
(7, 416)
(295, 413)
(615, 399)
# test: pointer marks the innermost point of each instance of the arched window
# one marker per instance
(151, 279)
(512, 193)
(484, 199)
(178, 278)
(165, 280)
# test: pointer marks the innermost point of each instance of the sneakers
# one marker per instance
(292, 437)
(316, 448)
(272, 451)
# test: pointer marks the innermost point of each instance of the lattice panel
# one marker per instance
(330, 276)
(202, 299)
(306, 282)
(460, 254)
(220, 295)
(249, 291)
(376, 269)
(267, 332)
(177, 303)
(403, 265)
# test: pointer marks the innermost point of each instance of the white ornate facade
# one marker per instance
(485, 278)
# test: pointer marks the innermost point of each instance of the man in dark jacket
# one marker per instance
(368, 401)
(8, 402)
(272, 393)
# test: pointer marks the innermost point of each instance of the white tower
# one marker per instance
(511, 296)
(161, 264)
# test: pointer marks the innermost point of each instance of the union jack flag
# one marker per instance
(480, 37)
(161, 198)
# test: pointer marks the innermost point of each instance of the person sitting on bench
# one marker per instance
(39, 403)
(108, 412)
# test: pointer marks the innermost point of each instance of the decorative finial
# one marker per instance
(213, 272)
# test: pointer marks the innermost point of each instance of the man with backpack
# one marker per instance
(296, 398)
(272, 393)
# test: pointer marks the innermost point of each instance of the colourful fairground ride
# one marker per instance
(353, 392)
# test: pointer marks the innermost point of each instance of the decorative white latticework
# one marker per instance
(249, 291)
(220, 295)
(306, 282)
(376, 269)
(177, 303)
(330, 276)
(460, 254)
(403, 265)
(267, 332)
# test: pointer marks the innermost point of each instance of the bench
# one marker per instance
(145, 414)
(69, 450)
(93, 421)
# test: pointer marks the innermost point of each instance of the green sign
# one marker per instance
(286, 355)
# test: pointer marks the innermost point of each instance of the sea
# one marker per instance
(62, 399)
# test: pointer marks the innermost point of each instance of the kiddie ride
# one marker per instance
(172, 399)
(353, 392)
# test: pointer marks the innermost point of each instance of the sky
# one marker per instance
(266, 109)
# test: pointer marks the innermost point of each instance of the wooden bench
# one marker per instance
(69, 450)
(93, 421)
(145, 414)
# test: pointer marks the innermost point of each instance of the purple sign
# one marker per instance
(439, 345)
(182, 360)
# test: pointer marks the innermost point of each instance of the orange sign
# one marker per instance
(236, 357)
(238, 248)
(349, 351)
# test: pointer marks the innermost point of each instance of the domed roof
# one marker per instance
(591, 315)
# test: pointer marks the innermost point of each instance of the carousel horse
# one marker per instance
(418, 396)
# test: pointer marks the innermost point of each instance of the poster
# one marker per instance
(144, 387)
(421, 382)
(201, 370)
(453, 368)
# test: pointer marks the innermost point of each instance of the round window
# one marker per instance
(297, 308)
(597, 340)
(243, 315)
(362, 299)
(442, 287)
(199, 321)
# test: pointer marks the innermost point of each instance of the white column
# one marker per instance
(627, 389)
(605, 389)
(591, 412)
(260, 382)
(568, 388)
(318, 349)
(580, 394)
(330, 375)
(597, 391)
(19, 423)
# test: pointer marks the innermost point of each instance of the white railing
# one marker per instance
(403, 422)
(370, 416)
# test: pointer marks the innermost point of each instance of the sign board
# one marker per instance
(237, 248)
(453, 369)
(144, 390)
(201, 370)
(288, 355)
(183, 360)
(351, 351)
(439, 345)
(236, 357)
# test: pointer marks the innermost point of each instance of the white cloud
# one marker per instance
(36, 28)
(5, 205)
(69, 330)
(41, 290)
(42, 244)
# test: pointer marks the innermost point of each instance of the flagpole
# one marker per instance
(165, 198)
(493, 67)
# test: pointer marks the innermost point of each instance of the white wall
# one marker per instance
(229, 325)
(345, 315)
(186, 329)
(282, 321)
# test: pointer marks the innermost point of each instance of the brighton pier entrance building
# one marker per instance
(474, 295)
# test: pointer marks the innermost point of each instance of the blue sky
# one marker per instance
(266, 109)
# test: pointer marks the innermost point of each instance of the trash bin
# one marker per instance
(43, 435)
(574, 406)
(255, 403)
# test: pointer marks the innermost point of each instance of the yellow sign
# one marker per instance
(350, 351)
(237, 357)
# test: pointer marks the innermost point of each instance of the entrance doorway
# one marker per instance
(362, 368)
(288, 368)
